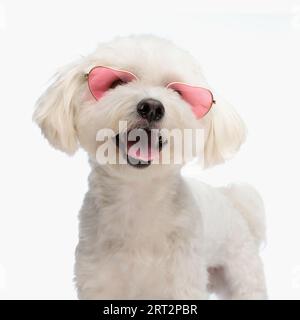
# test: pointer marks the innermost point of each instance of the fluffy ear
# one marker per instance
(225, 133)
(55, 110)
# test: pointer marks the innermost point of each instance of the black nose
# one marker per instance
(151, 109)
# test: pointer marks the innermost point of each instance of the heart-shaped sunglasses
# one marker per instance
(101, 79)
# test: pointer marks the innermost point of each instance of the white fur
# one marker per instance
(152, 233)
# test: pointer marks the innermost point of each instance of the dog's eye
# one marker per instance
(101, 79)
(116, 83)
(177, 91)
(200, 99)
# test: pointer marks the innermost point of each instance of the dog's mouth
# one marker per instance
(140, 146)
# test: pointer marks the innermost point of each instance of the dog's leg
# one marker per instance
(242, 266)
(185, 277)
(244, 275)
(190, 287)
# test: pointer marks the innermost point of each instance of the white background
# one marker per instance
(250, 53)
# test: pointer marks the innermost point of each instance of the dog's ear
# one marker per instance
(225, 132)
(55, 110)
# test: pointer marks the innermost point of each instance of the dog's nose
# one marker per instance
(151, 109)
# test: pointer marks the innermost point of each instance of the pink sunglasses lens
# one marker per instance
(101, 79)
(200, 99)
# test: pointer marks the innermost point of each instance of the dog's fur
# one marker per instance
(151, 233)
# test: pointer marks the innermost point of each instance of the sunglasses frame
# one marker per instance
(213, 101)
(86, 76)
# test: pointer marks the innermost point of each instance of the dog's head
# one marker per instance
(151, 87)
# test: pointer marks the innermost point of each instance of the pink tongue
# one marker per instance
(142, 154)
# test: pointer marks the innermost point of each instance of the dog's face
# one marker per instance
(128, 81)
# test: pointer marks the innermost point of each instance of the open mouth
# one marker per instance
(140, 146)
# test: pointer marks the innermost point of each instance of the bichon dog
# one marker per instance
(146, 231)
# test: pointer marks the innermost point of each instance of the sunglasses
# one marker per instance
(101, 79)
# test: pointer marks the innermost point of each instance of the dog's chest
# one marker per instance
(138, 210)
(141, 218)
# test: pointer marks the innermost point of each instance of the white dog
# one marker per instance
(146, 232)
